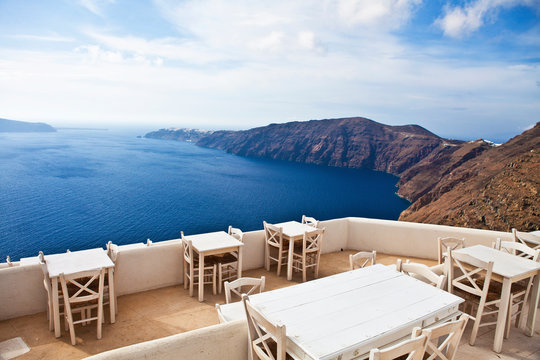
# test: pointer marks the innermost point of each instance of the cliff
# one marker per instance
(497, 189)
(22, 126)
(190, 135)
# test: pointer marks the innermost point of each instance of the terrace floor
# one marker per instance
(158, 313)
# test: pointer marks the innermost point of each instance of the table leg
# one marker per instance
(290, 259)
(501, 318)
(112, 297)
(56, 308)
(533, 305)
(240, 248)
(201, 276)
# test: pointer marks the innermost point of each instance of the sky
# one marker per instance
(461, 69)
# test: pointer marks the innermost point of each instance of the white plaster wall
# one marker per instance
(411, 239)
(227, 341)
(21, 291)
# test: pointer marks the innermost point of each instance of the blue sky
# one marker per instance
(462, 69)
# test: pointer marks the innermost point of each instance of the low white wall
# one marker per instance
(412, 239)
(227, 341)
(21, 291)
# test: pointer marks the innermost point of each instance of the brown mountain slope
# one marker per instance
(497, 189)
(349, 142)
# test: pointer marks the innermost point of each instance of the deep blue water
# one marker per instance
(78, 189)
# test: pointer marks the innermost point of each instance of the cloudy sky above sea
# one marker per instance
(462, 69)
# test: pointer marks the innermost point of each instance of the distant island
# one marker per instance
(190, 135)
(23, 126)
(463, 183)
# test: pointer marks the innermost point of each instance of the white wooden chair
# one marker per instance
(244, 285)
(309, 254)
(310, 221)
(445, 244)
(191, 268)
(80, 297)
(267, 341)
(112, 252)
(414, 348)
(421, 272)
(362, 259)
(520, 290)
(473, 285)
(228, 263)
(443, 339)
(526, 238)
(274, 240)
(48, 288)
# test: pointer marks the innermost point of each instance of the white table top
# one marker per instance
(213, 241)
(77, 261)
(504, 264)
(350, 313)
(294, 228)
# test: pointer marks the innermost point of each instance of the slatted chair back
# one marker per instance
(362, 259)
(517, 248)
(526, 238)
(48, 288)
(312, 241)
(449, 243)
(236, 233)
(421, 272)
(413, 348)
(83, 292)
(187, 248)
(273, 234)
(476, 274)
(310, 221)
(244, 285)
(443, 339)
(267, 341)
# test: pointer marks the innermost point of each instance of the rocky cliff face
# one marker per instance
(23, 126)
(350, 142)
(178, 134)
(496, 189)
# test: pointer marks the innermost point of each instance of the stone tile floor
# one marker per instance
(157, 313)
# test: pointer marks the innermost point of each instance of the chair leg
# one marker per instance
(71, 328)
(185, 276)
(267, 256)
(508, 319)
(317, 265)
(214, 278)
(476, 325)
(279, 261)
(304, 269)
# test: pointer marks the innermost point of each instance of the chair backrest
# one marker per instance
(310, 221)
(244, 285)
(112, 251)
(517, 248)
(80, 287)
(476, 274)
(273, 234)
(312, 241)
(46, 279)
(262, 334)
(362, 259)
(414, 348)
(526, 238)
(236, 233)
(187, 249)
(443, 339)
(421, 272)
(449, 243)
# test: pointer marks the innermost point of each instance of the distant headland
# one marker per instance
(451, 182)
(23, 126)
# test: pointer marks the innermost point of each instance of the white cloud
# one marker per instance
(380, 13)
(95, 6)
(51, 38)
(460, 21)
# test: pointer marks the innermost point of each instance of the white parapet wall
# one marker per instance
(141, 267)
(228, 341)
(412, 239)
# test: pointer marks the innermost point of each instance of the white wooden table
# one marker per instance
(74, 262)
(293, 231)
(214, 243)
(507, 269)
(344, 316)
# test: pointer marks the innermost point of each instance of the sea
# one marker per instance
(78, 189)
